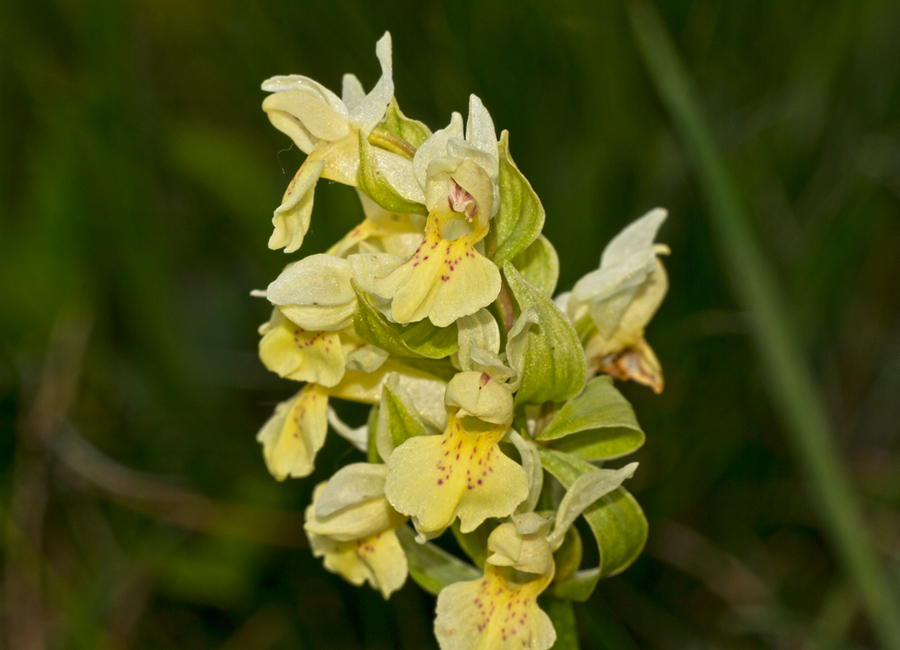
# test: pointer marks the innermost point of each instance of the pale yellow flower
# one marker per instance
(351, 525)
(462, 473)
(295, 433)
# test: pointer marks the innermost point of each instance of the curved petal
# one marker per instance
(370, 111)
(323, 120)
(295, 433)
(291, 219)
(377, 559)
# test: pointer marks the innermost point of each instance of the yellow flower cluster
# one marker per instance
(436, 310)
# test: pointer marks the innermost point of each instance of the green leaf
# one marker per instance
(373, 184)
(554, 367)
(602, 420)
(372, 451)
(401, 422)
(475, 543)
(521, 216)
(397, 124)
(420, 340)
(562, 615)
(431, 567)
(539, 265)
(617, 521)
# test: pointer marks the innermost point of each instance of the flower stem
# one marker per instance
(791, 385)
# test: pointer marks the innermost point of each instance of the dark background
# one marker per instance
(138, 181)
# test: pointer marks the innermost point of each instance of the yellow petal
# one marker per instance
(292, 217)
(443, 280)
(377, 559)
(295, 433)
(476, 394)
(307, 106)
(351, 505)
(294, 353)
(436, 479)
(530, 552)
(493, 614)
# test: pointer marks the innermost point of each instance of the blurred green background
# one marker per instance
(138, 181)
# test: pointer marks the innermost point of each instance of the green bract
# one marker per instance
(598, 424)
(521, 215)
(490, 398)
(554, 366)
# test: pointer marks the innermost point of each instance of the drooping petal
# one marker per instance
(377, 559)
(315, 293)
(436, 479)
(291, 219)
(295, 353)
(586, 489)
(493, 614)
(295, 433)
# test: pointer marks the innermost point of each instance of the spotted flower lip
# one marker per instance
(462, 473)
(443, 280)
(493, 612)
(295, 353)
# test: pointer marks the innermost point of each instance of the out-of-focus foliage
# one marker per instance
(138, 181)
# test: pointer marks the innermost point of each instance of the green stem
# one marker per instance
(562, 615)
(790, 382)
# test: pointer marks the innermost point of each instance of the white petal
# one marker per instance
(352, 92)
(368, 358)
(478, 330)
(435, 147)
(351, 485)
(315, 293)
(636, 239)
(586, 489)
(531, 463)
(480, 128)
(322, 119)
(370, 111)
(358, 437)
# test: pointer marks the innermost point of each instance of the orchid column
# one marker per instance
(493, 409)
